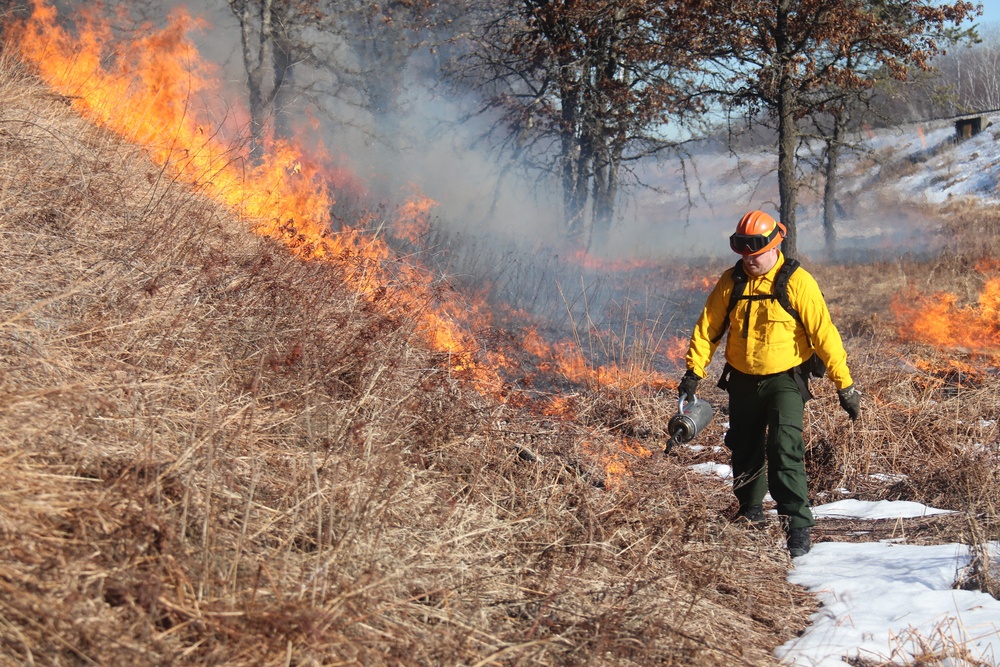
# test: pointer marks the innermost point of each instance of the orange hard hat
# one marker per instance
(756, 232)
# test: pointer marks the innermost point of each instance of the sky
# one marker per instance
(991, 11)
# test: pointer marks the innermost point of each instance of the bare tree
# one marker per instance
(788, 56)
(973, 73)
(269, 31)
(582, 89)
(354, 51)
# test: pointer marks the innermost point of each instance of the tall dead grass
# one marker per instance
(215, 453)
(929, 432)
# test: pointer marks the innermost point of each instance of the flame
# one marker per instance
(566, 359)
(618, 464)
(706, 283)
(938, 320)
(675, 348)
(954, 370)
(559, 406)
(584, 259)
(157, 92)
(987, 266)
(413, 221)
(146, 94)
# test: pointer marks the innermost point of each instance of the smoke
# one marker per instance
(431, 143)
(428, 142)
(477, 193)
(497, 229)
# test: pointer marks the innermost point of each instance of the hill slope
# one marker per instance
(215, 453)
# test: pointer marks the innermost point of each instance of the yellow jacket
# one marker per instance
(775, 341)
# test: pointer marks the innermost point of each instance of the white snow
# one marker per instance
(888, 602)
(885, 601)
(880, 509)
(718, 469)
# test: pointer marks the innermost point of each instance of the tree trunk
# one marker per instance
(787, 183)
(788, 135)
(575, 159)
(257, 58)
(573, 213)
(608, 144)
(580, 228)
(833, 146)
(284, 72)
(605, 194)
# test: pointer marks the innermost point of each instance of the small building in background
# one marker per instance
(968, 127)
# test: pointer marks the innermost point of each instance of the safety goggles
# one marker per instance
(751, 244)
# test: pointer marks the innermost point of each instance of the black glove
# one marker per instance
(688, 386)
(850, 400)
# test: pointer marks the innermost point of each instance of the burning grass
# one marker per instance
(220, 452)
(216, 452)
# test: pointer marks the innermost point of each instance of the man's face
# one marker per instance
(758, 265)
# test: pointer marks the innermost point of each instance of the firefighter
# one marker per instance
(769, 351)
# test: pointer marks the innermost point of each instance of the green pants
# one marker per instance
(765, 426)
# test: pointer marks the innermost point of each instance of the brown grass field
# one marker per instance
(215, 453)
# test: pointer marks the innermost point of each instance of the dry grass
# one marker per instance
(215, 453)
(218, 454)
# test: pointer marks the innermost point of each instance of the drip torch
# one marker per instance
(691, 418)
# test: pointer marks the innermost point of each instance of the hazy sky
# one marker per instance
(991, 11)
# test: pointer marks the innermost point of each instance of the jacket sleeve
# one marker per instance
(805, 294)
(709, 326)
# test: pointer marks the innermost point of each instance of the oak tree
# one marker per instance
(791, 57)
(584, 88)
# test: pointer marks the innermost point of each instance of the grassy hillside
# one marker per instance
(217, 453)
(214, 453)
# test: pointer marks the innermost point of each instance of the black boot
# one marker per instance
(751, 516)
(799, 542)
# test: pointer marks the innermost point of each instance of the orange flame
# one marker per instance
(675, 348)
(148, 97)
(559, 406)
(952, 367)
(158, 93)
(413, 221)
(938, 320)
(618, 465)
(586, 260)
(567, 360)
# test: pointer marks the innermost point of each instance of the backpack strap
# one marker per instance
(739, 277)
(781, 288)
(781, 293)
